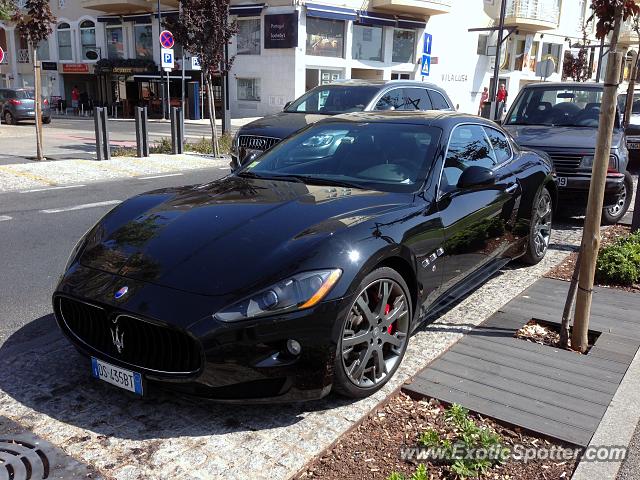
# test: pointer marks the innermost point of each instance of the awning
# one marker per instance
(411, 23)
(248, 10)
(319, 10)
(110, 20)
(371, 18)
(137, 18)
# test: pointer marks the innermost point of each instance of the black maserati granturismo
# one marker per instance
(309, 268)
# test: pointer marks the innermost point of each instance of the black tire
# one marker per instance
(540, 231)
(46, 120)
(9, 119)
(343, 382)
(612, 215)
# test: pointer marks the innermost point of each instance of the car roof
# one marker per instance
(382, 83)
(554, 85)
(428, 117)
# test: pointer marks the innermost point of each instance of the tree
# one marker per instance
(633, 73)
(577, 68)
(203, 28)
(35, 26)
(6, 9)
(610, 15)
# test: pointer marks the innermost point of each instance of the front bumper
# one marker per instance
(241, 361)
(573, 189)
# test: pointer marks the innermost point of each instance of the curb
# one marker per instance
(616, 427)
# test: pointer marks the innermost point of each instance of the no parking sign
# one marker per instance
(166, 39)
(1, 55)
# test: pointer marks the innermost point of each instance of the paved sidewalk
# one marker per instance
(165, 437)
(33, 175)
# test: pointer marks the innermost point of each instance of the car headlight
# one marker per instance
(298, 292)
(587, 162)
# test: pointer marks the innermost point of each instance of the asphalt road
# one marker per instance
(38, 230)
(74, 137)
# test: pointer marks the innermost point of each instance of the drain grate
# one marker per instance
(20, 460)
(24, 456)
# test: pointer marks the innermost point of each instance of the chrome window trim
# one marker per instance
(508, 160)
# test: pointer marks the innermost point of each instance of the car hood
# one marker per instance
(546, 137)
(280, 125)
(233, 235)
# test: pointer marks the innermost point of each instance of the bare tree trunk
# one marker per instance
(571, 296)
(591, 233)
(212, 116)
(36, 101)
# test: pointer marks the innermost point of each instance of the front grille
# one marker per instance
(566, 162)
(256, 142)
(144, 344)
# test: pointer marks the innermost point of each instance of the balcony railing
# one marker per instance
(627, 34)
(23, 55)
(544, 12)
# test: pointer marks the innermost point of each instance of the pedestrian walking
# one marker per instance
(501, 98)
(75, 99)
(484, 97)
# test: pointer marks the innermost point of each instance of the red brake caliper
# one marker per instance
(391, 328)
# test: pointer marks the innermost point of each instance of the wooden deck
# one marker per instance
(555, 392)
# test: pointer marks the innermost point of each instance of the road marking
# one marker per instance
(81, 207)
(51, 188)
(4, 218)
(160, 176)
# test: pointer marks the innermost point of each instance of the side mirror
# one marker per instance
(251, 156)
(476, 176)
(286, 105)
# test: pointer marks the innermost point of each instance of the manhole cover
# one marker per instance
(20, 460)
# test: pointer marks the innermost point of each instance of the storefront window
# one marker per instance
(520, 45)
(533, 56)
(325, 37)
(43, 50)
(144, 41)
(115, 42)
(249, 89)
(367, 43)
(3, 44)
(87, 37)
(552, 51)
(65, 51)
(248, 36)
(404, 45)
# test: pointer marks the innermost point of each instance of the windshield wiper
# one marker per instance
(326, 181)
(284, 178)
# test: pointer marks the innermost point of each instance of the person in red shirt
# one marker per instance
(484, 97)
(501, 98)
(75, 99)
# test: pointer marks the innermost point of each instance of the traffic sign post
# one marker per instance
(425, 65)
(166, 39)
(167, 61)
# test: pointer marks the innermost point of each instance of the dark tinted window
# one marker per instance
(380, 156)
(501, 146)
(24, 94)
(334, 99)
(392, 100)
(438, 101)
(468, 145)
(417, 99)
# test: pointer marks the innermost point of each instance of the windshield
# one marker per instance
(334, 99)
(622, 100)
(389, 157)
(557, 106)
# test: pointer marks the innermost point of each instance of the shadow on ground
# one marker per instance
(41, 370)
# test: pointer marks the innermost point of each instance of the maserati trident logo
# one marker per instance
(118, 340)
(121, 292)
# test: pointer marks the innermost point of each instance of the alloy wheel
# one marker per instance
(617, 209)
(8, 118)
(542, 224)
(375, 333)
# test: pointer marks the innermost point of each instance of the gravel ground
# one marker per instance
(45, 386)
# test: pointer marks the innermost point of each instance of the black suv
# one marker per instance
(333, 99)
(561, 119)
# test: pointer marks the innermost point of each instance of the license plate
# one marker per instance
(117, 376)
(562, 181)
(633, 145)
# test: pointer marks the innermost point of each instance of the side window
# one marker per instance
(468, 145)
(392, 100)
(438, 101)
(2, 96)
(416, 99)
(500, 144)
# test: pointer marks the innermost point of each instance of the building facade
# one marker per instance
(285, 47)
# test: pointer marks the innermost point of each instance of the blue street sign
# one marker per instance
(428, 40)
(167, 58)
(426, 65)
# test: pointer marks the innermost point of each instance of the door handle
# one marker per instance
(511, 188)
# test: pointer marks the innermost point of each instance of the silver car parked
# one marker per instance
(18, 104)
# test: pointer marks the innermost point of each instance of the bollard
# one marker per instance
(103, 150)
(177, 133)
(142, 133)
(635, 220)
